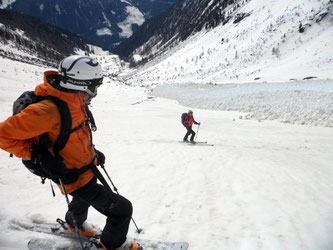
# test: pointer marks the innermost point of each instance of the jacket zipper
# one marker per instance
(86, 117)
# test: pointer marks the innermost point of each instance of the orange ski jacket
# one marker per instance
(189, 120)
(18, 132)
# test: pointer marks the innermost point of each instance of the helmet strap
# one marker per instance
(55, 83)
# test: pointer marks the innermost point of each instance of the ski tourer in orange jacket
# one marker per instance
(18, 132)
(189, 119)
(76, 84)
(188, 122)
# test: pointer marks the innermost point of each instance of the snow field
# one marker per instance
(263, 185)
(298, 102)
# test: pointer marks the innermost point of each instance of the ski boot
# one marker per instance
(130, 245)
(86, 229)
(96, 244)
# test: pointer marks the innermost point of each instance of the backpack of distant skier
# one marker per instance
(48, 170)
(184, 118)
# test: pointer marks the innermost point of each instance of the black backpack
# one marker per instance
(184, 118)
(60, 171)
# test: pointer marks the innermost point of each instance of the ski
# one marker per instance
(74, 244)
(56, 229)
(193, 142)
(201, 143)
(66, 240)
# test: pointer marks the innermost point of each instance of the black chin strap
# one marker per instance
(55, 83)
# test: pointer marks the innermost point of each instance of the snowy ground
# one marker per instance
(300, 102)
(264, 185)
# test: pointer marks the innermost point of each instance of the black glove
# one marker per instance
(100, 157)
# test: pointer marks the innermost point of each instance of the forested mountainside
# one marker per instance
(182, 20)
(32, 40)
(103, 22)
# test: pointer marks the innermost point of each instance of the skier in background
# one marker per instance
(187, 121)
(75, 84)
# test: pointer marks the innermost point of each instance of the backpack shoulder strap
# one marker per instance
(66, 125)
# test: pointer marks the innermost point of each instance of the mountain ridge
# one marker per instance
(32, 40)
(103, 22)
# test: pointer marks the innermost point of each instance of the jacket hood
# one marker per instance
(44, 89)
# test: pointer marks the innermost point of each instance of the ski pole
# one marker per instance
(70, 212)
(138, 230)
(197, 132)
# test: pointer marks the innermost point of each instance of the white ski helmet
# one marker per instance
(80, 73)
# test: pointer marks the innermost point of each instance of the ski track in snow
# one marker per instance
(264, 185)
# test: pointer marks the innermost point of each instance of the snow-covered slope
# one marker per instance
(298, 102)
(276, 41)
(264, 185)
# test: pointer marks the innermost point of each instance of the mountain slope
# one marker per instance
(34, 41)
(153, 8)
(103, 22)
(5, 3)
(250, 40)
(178, 23)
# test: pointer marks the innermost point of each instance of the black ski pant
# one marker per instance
(116, 208)
(189, 132)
